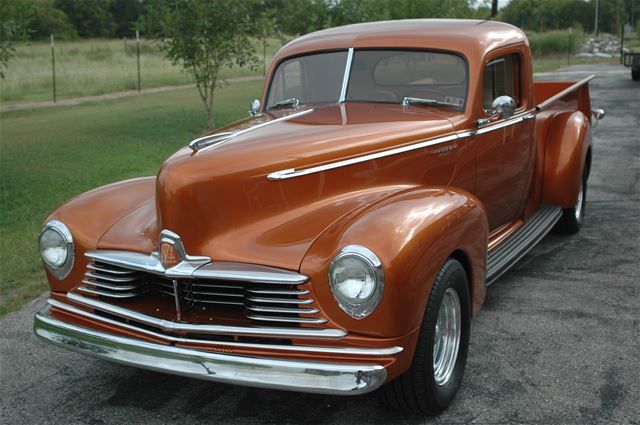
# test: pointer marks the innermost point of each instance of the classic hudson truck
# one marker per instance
(340, 239)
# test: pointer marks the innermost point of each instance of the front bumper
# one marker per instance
(293, 375)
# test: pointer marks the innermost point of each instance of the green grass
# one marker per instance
(50, 155)
(550, 49)
(552, 62)
(93, 67)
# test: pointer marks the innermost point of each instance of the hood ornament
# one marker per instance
(174, 258)
(179, 266)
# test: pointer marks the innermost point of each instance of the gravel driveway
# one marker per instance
(558, 340)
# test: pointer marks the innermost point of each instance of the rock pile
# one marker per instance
(605, 46)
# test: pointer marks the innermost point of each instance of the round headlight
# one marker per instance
(357, 280)
(56, 248)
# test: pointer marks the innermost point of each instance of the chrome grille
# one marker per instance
(278, 302)
(112, 281)
(267, 302)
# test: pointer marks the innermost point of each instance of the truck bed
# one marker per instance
(564, 95)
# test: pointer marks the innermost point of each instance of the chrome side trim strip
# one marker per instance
(283, 374)
(345, 77)
(301, 348)
(216, 270)
(292, 172)
(170, 326)
(505, 123)
(574, 87)
(196, 144)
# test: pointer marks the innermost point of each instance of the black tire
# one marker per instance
(572, 218)
(416, 390)
(635, 74)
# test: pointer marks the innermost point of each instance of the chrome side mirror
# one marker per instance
(255, 108)
(502, 107)
(598, 114)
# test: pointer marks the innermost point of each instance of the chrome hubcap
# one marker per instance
(578, 208)
(447, 337)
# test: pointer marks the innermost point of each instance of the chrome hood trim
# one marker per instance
(219, 138)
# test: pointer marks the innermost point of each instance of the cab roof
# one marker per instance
(473, 38)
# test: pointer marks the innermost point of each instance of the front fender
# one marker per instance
(569, 139)
(90, 215)
(412, 232)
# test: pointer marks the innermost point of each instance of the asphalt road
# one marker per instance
(558, 340)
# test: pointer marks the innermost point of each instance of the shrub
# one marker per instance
(554, 42)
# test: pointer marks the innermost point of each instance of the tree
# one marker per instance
(202, 37)
(51, 20)
(125, 15)
(14, 21)
(300, 16)
(92, 18)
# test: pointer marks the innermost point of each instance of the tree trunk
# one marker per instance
(206, 83)
(210, 121)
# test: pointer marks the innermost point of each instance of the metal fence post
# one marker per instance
(53, 66)
(621, 43)
(570, 43)
(138, 55)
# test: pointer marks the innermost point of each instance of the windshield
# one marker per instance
(383, 76)
(313, 78)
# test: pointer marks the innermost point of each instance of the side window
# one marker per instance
(502, 78)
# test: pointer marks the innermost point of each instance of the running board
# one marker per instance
(507, 254)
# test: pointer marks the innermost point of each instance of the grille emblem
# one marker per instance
(179, 267)
(169, 257)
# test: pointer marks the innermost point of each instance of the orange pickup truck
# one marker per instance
(341, 238)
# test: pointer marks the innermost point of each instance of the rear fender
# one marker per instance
(412, 233)
(569, 139)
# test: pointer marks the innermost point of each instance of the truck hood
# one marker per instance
(219, 200)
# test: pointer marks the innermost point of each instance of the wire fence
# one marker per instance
(62, 69)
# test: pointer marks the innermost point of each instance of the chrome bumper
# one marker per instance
(293, 375)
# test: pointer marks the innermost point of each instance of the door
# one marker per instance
(504, 147)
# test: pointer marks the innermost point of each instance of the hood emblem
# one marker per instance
(174, 259)
(168, 255)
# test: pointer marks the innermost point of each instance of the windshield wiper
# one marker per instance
(432, 102)
(287, 102)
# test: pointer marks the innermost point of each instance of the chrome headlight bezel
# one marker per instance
(63, 270)
(363, 308)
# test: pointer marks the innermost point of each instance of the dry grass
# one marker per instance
(93, 67)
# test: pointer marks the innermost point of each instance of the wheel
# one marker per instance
(572, 218)
(635, 74)
(433, 379)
